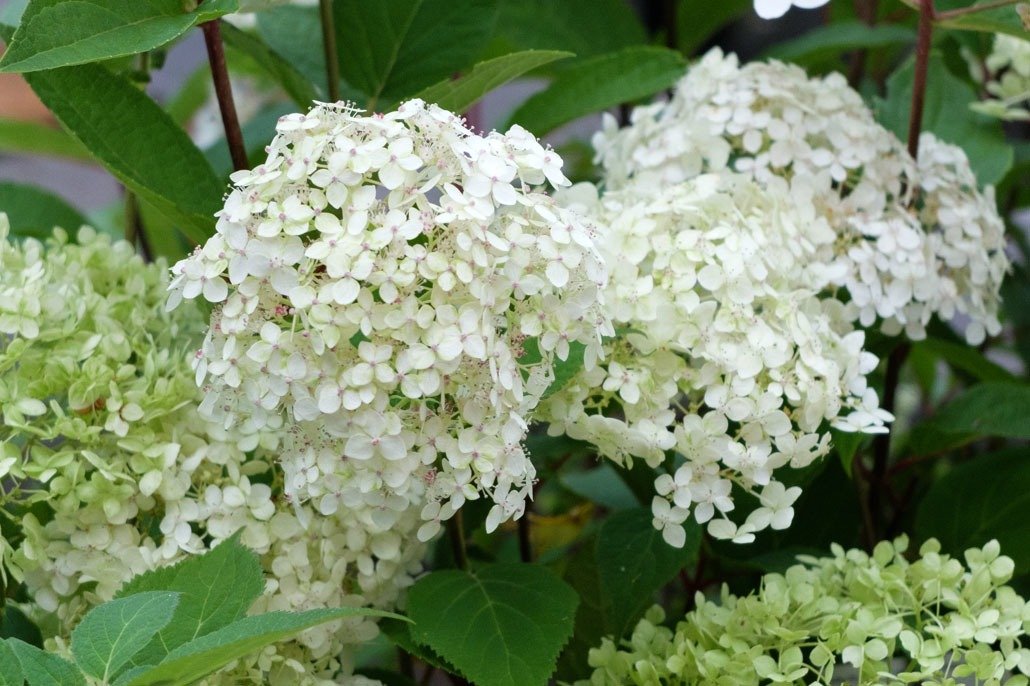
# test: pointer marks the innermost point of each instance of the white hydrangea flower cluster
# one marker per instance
(101, 438)
(1006, 76)
(848, 618)
(727, 355)
(376, 280)
(770, 120)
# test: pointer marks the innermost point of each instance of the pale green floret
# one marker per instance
(850, 618)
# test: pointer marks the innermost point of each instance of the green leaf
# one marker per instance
(459, 94)
(601, 485)
(14, 624)
(838, 37)
(399, 634)
(965, 358)
(215, 589)
(161, 237)
(988, 409)
(591, 620)
(137, 142)
(191, 96)
(209, 653)
(58, 33)
(111, 633)
(584, 27)
(37, 139)
(10, 668)
(846, 444)
(34, 212)
(293, 32)
(391, 49)
(45, 669)
(503, 625)
(600, 82)
(946, 113)
(987, 497)
(996, 20)
(697, 22)
(296, 85)
(634, 563)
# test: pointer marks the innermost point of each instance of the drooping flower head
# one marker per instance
(728, 355)
(377, 279)
(897, 260)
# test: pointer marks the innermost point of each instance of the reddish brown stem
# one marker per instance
(223, 92)
(927, 15)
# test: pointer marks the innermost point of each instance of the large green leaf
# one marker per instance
(503, 625)
(37, 139)
(994, 20)
(15, 624)
(600, 82)
(296, 85)
(294, 32)
(995, 408)
(136, 140)
(946, 113)
(209, 653)
(634, 562)
(58, 33)
(964, 358)
(839, 37)
(601, 485)
(45, 669)
(459, 94)
(584, 27)
(215, 589)
(391, 49)
(34, 212)
(986, 498)
(10, 668)
(698, 21)
(111, 633)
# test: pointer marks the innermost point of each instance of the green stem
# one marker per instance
(332, 58)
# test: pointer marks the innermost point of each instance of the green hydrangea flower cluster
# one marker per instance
(107, 470)
(94, 375)
(851, 618)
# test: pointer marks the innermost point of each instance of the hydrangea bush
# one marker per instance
(382, 349)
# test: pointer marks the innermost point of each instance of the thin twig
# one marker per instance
(223, 92)
(456, 532)
(973, 9)
(332, 59)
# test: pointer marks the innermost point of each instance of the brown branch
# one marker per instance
(915, 117)
(223, 92)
